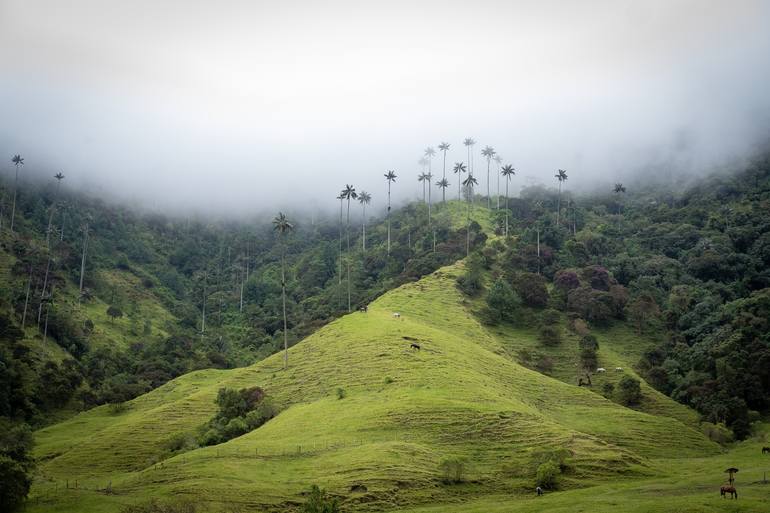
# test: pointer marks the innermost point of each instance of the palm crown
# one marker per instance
(470, 181)
(429, 151)
(460, 167)
(59, 176)
(390, 176)
(349, 192)
(443, 183)
(364, 198)
(444, 146)
(498, 159)
(488, 152)
(469, 141)
(281, 224)
(561, 175)
(17, 160)
(619, 188)
(507, 171)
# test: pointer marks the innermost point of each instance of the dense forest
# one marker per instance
(131, 300)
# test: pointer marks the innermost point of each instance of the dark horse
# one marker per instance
(414, 345)
(723, 491)
(765, 450)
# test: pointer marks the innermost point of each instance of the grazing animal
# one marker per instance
(364, 309)
(539, 491)
(601, 369)
(414, 345)
(765, 450)
(725, 490)
(396, 314)
(618, 368)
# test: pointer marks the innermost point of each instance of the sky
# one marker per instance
(241, 106)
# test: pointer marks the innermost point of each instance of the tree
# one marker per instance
(16, 464)
(618, 190)
(532, 289)
(443, 147)
(459, 169)
(422, 178)
(488, 152)
(469, 143)
(349, 192)
(282, 225)
(59, 177)
(364, 198)
(498, 160)
(85, 250)
(629, 391)
(502, 300)
(469, 183)
(429, 153)
(561, 175)
(642, 310)
(114, 312)
(390, 176)
(17, 162)
(508, 171)
(443, 184)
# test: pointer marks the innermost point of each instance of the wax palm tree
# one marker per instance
(59, 177)
(619, 189)
(340, 197)
(390, 176)
(85, 250)
(469, 183)
(443, 147)
(349, 192)
(561, 175)
(428, 178)
(488, 152)
(498, 160)
(17, 161)
(443, 184)
(508, 171)
(422, 177)
(364, 198)
(459, 169)
(469, 142)
(282, 225)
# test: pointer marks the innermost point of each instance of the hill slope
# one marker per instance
(380, 446)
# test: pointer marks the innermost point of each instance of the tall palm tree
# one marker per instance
(428, 178)
(498, 160)
(469, 182)
(59, 177)
(443, 184)
(508, 171)
(488, 152)
(339, 255)
(17, 161)
(422, 177)
(364, 198)
(349, 192)
(619, 189)
(83, 258)
(459, 169)
(429, 154)
(443, 147)
(561, 175)
(390, 176)
(282, 225)
(469, 142)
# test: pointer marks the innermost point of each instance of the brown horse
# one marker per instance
(765, 450)
(723, 491)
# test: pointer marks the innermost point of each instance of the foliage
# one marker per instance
(318, 501)
(629, 391)
(452, 469)
(531, 288)
(16, 464)
(240, 411)
(502, 301)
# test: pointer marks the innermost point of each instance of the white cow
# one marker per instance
(618, 369)
(396, 314)
(601, 369)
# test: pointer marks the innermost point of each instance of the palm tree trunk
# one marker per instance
(558, 205)
(506, 206)
(83, 258)
(339, 265)
(538, 250)
(468, 228)
(388, 217)
(42, 293)
(15, 188)
(347, 235)
(498, 186)
(283, 299)
(429, 202)
(489, 198)
(240, 308)
(26, 300)
(203, 308)
(443, 177)
(363, 238)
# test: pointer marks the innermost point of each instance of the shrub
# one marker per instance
(453, 470)
(608, 389)
(544, 364)
(531, 289)
(236, 427)
(718, 433)
(118, 408)
(547, 474)
(319, 502)
(340, 393)
(470, 282)
(549, 335)
(629, 391)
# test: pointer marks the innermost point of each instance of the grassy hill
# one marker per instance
(403, 412)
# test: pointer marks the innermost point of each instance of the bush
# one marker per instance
(531, 289)
(547, 475)
(340, 393)
(453, 470)
(502, 301)
(470, 282)
(608, 389)
(319, 502)
(118, 408)
(629, 391)
(718, 433)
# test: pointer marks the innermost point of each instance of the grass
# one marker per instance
(462, 395)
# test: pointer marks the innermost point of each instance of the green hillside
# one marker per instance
(404, 411)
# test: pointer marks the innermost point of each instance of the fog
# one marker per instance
(236, 107)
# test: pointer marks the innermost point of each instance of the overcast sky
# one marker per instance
(240, 106)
